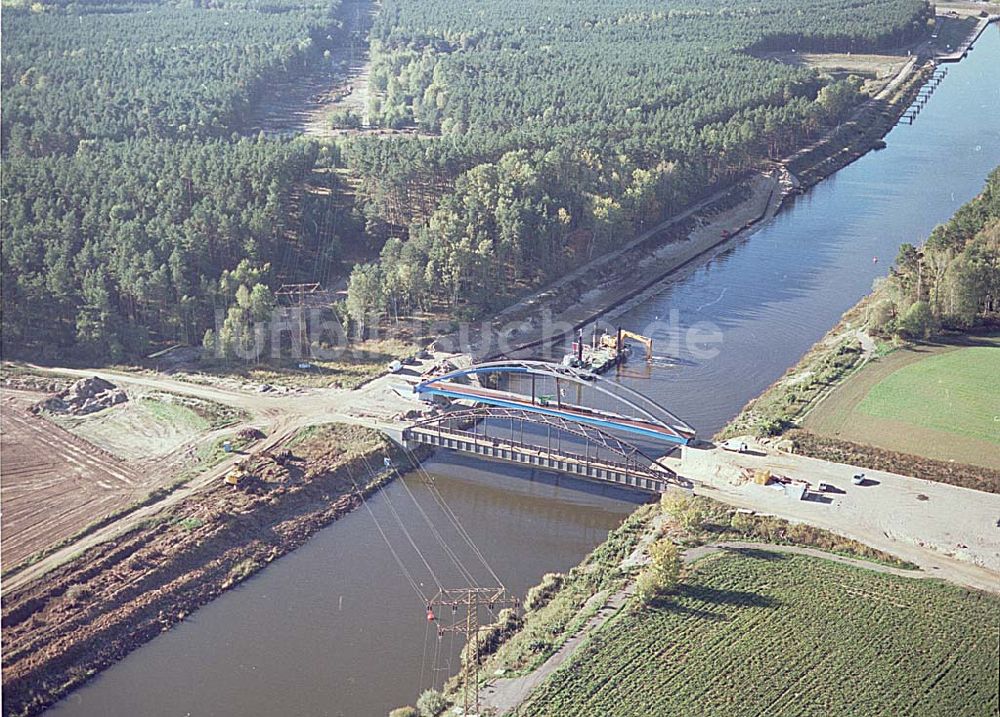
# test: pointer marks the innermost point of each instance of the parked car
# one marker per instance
(735, 446)
(395, 366)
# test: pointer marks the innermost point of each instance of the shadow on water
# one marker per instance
(478, 474)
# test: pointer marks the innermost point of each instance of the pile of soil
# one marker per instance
(88, 395)
(250, 434)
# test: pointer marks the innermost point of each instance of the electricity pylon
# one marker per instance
(470, 600)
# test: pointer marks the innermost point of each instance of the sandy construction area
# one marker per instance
(59, 473)
(952, 532)
(52, 483)
(151, 425)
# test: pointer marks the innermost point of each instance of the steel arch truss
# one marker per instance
(642, 405)
(594, 436)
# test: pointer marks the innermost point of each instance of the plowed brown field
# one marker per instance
(52, 483)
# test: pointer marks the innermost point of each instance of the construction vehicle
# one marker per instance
(615, 342)
(234, 475)
(604, 351)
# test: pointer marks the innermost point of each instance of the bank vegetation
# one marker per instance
(945, 289)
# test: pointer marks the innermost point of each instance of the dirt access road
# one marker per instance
(951, 532)
(280, 416)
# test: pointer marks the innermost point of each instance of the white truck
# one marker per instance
(735, 446)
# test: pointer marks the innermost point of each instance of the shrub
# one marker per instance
(539, 596)
(407, 711)
(662, 573)
(770, 427)
(189, 524)
(741, 523)
(918, 321)
(881, 316)
(490, 637)
(665, 562)
(647, 587)
(243, 569)
(344, 119)
(692, 518)
(76, 593)
(431, 704)
(674, 503)
(684, 509)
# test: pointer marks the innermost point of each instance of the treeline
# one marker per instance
(123, 242)
(545, 132)
(93, 71)
(592, 69)
(511, 224)
(952, 281)
(132, 211)
(566, 127)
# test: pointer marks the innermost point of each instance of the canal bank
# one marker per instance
(88, 613)
(764, 301)
(333, 628)
(598, 288)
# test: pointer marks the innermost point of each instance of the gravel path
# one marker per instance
(701, 551)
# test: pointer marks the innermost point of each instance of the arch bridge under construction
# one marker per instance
(551, 417)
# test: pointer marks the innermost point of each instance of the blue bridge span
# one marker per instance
(481, 398)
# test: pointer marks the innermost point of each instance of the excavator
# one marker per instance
(615, 342)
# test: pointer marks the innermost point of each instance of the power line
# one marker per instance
(402, 526)
(428, 481)
(437, 534)
(395, 555)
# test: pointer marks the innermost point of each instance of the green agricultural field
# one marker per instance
(766, 633)
(937, 401)
(955, 392)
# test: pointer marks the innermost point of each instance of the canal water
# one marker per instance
(335, 628)
(767, 298)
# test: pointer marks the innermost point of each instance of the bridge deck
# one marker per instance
(652, 480)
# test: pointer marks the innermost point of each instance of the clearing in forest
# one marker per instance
(760, 632)
(841, 65)
(303, 101)
(938, 401)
